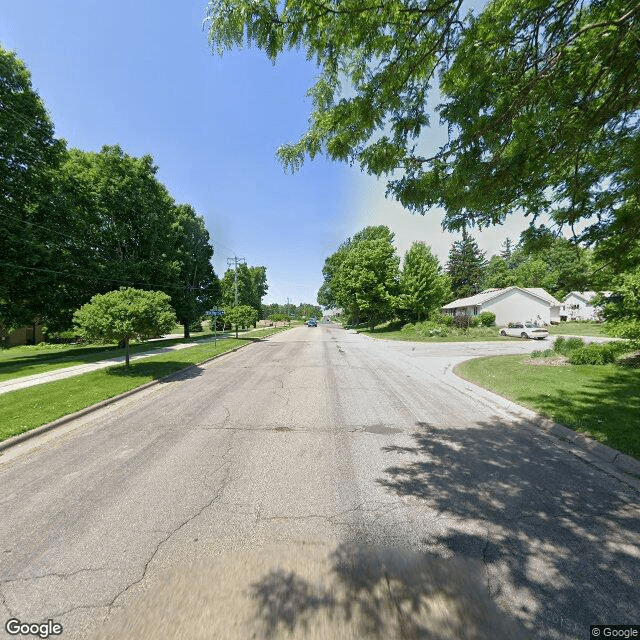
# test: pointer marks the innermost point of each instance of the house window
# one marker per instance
(475, 311)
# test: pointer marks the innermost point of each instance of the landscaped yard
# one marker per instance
(29, 360)
(25, 409)
(578, 329)
(389, 331)
(602, 402)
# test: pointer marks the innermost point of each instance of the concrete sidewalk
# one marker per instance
(76, 370)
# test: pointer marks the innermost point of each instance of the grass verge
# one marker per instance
(18, 362)
(26, 409)
(600, 401)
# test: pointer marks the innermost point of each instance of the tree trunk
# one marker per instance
(126, 356)
(236, 331)
(186, 329)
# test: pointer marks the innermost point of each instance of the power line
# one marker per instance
(95, 278)
(235, 260)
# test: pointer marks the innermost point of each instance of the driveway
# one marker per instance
(318, 484)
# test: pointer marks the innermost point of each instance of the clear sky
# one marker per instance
(140, 73)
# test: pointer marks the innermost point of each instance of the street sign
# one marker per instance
(216, 312)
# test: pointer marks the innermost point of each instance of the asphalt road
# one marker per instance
(318, 484)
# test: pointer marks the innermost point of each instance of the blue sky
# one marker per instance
(140, 73)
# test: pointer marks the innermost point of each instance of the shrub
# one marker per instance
(196, 327)
(443, 319)
(547, 353)
(441, 332)
(407, 327)
(474, 321)
(461, 322)
(565, 346)
(592, 354)
(487, 319)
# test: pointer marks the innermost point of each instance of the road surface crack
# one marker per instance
(54, 574)
(175, 530)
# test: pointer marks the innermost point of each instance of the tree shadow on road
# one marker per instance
(556, 535)
(382, 592)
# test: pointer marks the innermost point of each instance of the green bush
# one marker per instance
(565, 346)
(196, 327)
(487, 319)
(474, 321)
(547, 353)
(441, 332)
(593, 354)
(407, 327)
(443, 319)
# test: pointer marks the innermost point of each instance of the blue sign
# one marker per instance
(216, 312)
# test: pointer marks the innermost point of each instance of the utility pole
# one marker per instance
(236, 261)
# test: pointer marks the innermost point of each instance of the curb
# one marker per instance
(621, 461)
(32, 433)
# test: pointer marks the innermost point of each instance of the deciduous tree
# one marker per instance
(424, 288)
(540, 99)
(128, 313)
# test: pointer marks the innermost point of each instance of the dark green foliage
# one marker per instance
(487, 318)
(598, 353)
(424, 288)
(465, 266)
(540, 100)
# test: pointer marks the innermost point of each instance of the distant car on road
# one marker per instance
(312, 322)
(524, 330)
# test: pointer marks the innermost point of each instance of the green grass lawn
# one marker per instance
(26, 409)
(602, 402)
(473, 334)
(29, 360)
(578, 329)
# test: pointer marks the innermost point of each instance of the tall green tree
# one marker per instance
(366, 283)
(540, 99)
(251, 286)
(198, 287)
(326, 296)
(465, 266)
(33, 235)
(424, 288)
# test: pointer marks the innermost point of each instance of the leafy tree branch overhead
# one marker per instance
(540, 98)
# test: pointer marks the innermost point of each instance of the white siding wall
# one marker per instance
(583, 312)
(516, 306)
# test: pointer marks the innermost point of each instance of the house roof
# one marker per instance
(489, 294)
(587, 296)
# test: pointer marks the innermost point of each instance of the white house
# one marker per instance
(511, 304)
(577, 306)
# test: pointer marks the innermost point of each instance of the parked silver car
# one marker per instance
(524, 330)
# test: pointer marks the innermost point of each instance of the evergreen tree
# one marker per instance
(465, 266)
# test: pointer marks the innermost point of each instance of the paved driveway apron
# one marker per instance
(317, 484)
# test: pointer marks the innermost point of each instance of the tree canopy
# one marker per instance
(125, 314)
(540, 99)
(424, 287)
